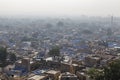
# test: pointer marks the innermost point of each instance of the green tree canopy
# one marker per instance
(110, 72)
(55, 51)
(12, 57)
(3, 56)
(95, 74)
(60, 24)
(35, 65)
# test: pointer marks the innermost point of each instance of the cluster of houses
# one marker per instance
(80, 49)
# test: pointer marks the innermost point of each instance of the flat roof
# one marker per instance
(75, 64)
(36, 77)
(52, 72)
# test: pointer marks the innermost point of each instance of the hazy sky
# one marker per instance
(60, 7)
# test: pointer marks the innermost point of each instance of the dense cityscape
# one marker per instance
(78, 48)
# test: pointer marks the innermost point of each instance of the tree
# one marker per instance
(110, 72)
(86, 31)
(55, 51)
(60, 24)
(3, 56)
(12, 57)
(35, 66)
(49, 25)
(95, 74)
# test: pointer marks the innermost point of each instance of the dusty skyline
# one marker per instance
(60, 7)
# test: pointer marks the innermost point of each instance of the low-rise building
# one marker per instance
(92, 61)
(68, 76)
(82, 76)
(38, 77)
(53, 74)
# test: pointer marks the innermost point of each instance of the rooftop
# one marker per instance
(52, 72)
(36, 77)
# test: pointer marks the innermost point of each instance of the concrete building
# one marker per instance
(24, 63)
(38, 77)
(91, 61)
(54, 75)
(82, 76)
(68, 76)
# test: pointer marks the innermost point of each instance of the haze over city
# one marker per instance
(59, 7)
(59, 40)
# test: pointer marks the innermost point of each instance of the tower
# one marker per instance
(111, 21)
